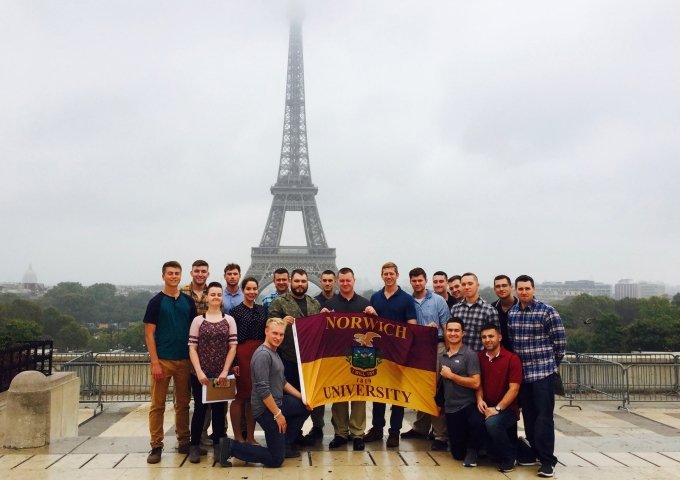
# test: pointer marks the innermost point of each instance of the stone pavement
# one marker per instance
(596, 442)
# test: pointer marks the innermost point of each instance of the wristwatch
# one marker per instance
(498, 409)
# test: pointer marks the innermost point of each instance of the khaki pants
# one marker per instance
(348, 424)
(179, 371)
(424, 420)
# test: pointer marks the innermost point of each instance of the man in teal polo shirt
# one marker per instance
(166, 332)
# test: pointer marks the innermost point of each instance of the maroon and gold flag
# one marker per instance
(350, 356)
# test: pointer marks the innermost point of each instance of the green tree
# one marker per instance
(20, 309)
(71, 299)
(609, 334)
(132, 338)
(53, 321)
(72, 337)
(578, 341)
(654, 334)
(15, 330)
(658, 307)
(584, 307)
(628, 309)
(676, 300)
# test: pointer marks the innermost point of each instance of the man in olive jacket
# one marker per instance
(289, 306)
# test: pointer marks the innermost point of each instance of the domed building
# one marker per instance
(30, 283)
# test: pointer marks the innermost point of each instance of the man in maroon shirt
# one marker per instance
(501, 376)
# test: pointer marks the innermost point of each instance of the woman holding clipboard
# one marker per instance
(209, 334)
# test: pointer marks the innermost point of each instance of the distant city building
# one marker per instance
(554, 291)
(648, 290)
(627, 288)
(28, 287)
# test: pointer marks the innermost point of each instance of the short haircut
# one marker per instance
(453, 278)
(439, 273)
(345, 271)
(524, 278)
(281, 271)
(469, 274)
(245, 281)
(389, 265)
(456, 320)
(200, 263)
(502, 277)
(232, 266)
(416, 272)
(276, 322)
(328, 272)
(171, 264)
(214, 285)
(298, 271)
(490, 326)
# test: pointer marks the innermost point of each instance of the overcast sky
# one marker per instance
(491, 136)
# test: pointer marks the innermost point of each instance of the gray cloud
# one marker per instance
(493, 136)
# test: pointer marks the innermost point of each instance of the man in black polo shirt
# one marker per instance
(502, 285)
(348, 424)
(392, 303)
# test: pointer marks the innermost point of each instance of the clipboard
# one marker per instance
(213, 393)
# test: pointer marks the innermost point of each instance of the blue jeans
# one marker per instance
(274, 453)
(537, 400)
(396, 416)
(501, 433)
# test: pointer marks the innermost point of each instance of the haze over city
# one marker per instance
(494, 137)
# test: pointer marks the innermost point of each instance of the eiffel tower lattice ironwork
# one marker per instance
(293, 190)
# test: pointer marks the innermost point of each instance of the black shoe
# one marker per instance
(292, 452)
(506, 467)
(470, 458)
(194, 454)
(373, 434)
(154, 455)
(224, 452)
(300, 439)
(392, 439)
(546, 470)
(338, 441)
(358, 444)
(186, 449)
(439, 446)
(412, 434)
(527, 462)
(314, 435)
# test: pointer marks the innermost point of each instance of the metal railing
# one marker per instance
(24, 356)
(625, 378)
(616, 377)
(110, 377)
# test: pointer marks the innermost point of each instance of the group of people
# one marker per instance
(492, 360)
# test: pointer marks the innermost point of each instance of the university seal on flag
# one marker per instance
(363, 358)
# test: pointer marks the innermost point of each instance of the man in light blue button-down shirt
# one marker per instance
(431, 311)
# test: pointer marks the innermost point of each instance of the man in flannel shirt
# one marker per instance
(474, 311)
(539, 340)
(198, 289)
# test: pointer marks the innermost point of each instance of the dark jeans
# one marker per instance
(273, 454)
(466, 430)
(537, 400)
(501, 431)
(217, 409)
(396, 416)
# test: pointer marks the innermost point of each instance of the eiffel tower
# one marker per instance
(294, 190)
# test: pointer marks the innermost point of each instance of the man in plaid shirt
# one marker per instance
(539, 340)
(474, 311)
